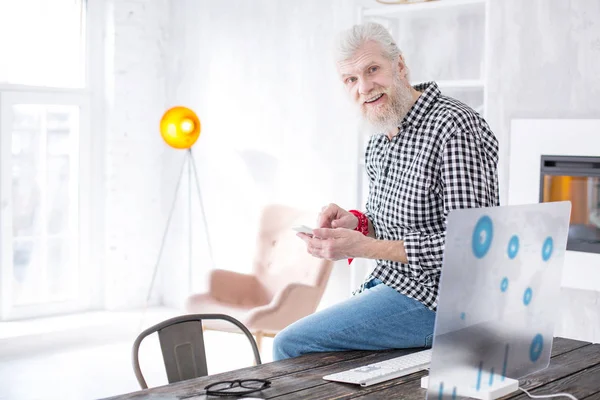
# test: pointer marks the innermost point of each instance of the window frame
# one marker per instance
(79, 199)
(90, 225)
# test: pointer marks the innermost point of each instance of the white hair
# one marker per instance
(350, 40)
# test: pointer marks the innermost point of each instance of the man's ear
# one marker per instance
(402, 66)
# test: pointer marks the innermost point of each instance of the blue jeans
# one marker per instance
(378, 318)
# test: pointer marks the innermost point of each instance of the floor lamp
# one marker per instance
(180, 128)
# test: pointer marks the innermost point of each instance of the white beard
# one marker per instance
(388, 119)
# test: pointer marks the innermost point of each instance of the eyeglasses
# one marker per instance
(236, 387)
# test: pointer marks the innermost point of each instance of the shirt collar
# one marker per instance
(428, 97)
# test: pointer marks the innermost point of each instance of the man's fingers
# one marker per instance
(328, 213)
(311, 242)
(325, 233)
(315, 244)
(313, 247)
(304, 236)
(323, 221)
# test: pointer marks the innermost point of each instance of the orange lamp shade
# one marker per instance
(180, 127)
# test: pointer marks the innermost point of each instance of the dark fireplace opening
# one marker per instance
(576, 179)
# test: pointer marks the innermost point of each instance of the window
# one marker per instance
(44, 160)
(42, 43)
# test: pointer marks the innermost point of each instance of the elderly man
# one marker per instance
(428, 154)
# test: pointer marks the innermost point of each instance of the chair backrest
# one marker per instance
(182, 344)
(281, 257)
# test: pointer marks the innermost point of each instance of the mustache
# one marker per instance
(373, 94)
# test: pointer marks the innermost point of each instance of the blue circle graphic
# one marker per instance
(482, 236)
(537, 345)
(504, 284)
(527, 296)
(513, 247)
(547, 248)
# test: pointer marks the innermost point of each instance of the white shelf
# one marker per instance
(398, 10)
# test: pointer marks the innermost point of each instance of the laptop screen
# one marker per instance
(499, 292)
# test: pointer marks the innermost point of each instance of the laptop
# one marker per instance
(497, 325)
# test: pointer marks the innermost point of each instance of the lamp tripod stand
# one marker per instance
(190, 163)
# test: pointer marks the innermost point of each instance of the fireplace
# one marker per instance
(576, 179)
(532, 139)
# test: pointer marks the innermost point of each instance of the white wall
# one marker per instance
(276, 127)
(543, 64)
(258, 73)
(530, 140)
(134, 97)
(275, 124)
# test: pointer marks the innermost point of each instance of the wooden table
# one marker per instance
(574, 368)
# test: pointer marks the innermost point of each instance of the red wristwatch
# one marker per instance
(362, 227)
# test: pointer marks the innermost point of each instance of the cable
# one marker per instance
(533, 396)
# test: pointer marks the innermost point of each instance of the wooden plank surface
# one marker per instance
(581, 384)
(411, 390)
(338, 391)
(295, 385)
(562, 345)
(263, 371)
(562, 366)
(306, 384)
(571, 364)
(595, 396)
(575, 367)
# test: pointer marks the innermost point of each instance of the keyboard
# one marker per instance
(371, 374)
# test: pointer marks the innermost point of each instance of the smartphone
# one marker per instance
(303, 229)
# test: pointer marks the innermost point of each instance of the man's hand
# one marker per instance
(335, 244)
(333, 216)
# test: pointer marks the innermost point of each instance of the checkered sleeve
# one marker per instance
(369, 174)
(464, 185)
(425, 251)
(370, 218)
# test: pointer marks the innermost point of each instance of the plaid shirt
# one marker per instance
(444, 157)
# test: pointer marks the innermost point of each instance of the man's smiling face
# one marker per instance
(376, 85)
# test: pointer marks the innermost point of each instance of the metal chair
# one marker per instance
(182, 344)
